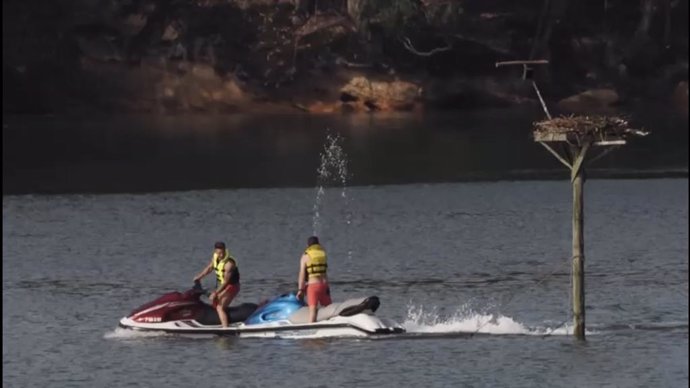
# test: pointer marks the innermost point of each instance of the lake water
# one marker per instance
(454, 221)
(444, 258)
(151, 153)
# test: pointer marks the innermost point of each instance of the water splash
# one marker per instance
(332, 171)
(419, 321)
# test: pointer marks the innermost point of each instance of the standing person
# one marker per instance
(313, 266)
(227, 280)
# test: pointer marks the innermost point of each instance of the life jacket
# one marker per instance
(219, 267)
(316, 265)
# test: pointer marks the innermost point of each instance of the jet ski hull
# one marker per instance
(355, 326)
(284, 316)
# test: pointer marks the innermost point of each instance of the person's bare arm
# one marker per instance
(204, 272)
(302, 271)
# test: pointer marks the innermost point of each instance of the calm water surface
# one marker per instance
(443, 258)
(146, 154)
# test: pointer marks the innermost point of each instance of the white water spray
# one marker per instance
(332, 171)
(464, 320)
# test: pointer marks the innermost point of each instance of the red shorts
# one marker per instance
(318, 293)
(231, 292)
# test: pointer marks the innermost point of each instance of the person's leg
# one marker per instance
(325, 297)
(312, 301)
(224, 302)
(220, 309)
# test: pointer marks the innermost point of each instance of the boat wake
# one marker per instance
(463, 322)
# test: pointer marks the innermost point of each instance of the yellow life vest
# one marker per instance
(219, 267)
(316, 265)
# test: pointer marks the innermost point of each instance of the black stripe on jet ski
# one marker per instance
(187, 324)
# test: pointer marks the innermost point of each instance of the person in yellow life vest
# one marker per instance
(227, 280)
(313, 277)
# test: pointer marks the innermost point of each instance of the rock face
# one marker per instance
(199, 89)
(595, 100)
(363, 94)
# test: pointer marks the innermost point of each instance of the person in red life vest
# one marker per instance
(313, 277)
(227, 280)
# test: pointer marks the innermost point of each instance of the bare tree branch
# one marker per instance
(529, 62)
(345, 62)
(499, 47)
(408, 45)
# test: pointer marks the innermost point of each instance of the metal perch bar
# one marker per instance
(543, 104)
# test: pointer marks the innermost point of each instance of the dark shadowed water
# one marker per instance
(443, 258)
(149, 153)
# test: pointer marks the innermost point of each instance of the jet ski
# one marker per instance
(283, 316)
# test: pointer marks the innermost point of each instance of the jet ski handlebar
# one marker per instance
(199, 289)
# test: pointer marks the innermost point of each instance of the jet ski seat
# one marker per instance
(347, 308)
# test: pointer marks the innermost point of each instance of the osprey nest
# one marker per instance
(598, 128)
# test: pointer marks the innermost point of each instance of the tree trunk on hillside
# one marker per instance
(667, 23)
(355, 9)
(647, 11)
(555, 10)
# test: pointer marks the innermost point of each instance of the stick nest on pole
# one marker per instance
(600, 129)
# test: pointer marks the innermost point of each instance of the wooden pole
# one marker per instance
(578, 272)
